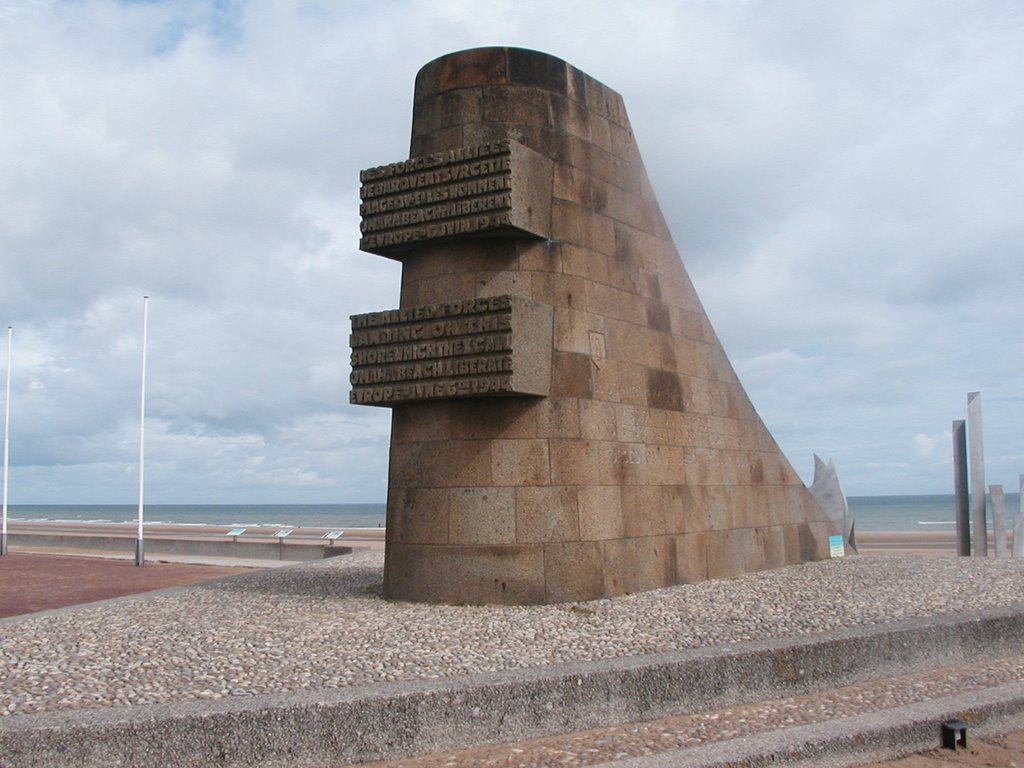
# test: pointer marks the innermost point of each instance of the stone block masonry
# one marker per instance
(565, 424)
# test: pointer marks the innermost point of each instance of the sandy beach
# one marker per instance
(906, 543)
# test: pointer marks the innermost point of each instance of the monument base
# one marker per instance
(573, 571)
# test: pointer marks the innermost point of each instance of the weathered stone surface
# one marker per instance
(643, 463)
(976, 449)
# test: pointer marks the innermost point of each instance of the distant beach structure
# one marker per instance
(872, 513)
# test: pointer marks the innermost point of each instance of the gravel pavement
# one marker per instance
(325, 625)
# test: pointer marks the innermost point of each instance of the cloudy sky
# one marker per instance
(844, 182)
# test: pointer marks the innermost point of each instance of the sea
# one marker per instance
(870, 513)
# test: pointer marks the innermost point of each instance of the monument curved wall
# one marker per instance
(570, 427)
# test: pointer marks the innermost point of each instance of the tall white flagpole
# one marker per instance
(140, 556)
(7, 425)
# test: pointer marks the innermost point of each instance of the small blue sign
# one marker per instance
(835, 546)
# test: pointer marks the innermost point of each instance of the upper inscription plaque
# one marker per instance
(498, 189)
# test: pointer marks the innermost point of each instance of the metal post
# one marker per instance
(963, 512)
(998, 519)
(977, 474)
(1018, 529)
(7, 424)
(140, 554)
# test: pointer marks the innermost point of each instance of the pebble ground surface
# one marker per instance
(326, 625)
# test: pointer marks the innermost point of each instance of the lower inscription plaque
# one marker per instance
(487, 347)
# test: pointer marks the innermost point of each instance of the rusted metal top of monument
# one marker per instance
(516, 66)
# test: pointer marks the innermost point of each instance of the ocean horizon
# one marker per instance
(934, 512)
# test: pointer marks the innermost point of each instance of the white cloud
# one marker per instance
(928, 446)
(842, 181)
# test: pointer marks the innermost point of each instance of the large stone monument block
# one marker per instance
(565, 423)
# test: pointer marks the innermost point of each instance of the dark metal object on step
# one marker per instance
(954, 733)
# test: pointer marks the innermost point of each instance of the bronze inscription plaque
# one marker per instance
(494, 346)
(500, 188)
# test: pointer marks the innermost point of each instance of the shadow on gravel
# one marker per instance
(320, 579)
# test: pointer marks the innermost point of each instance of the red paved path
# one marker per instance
(31, 582)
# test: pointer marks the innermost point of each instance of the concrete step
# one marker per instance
(878, 720)
(395, 720)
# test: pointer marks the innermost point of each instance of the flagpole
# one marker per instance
(140, 556)
(7, 424)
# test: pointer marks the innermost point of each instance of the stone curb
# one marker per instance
(857, 740)
(391, 720)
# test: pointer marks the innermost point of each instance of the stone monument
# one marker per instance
(828, 493)
(565, 424)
